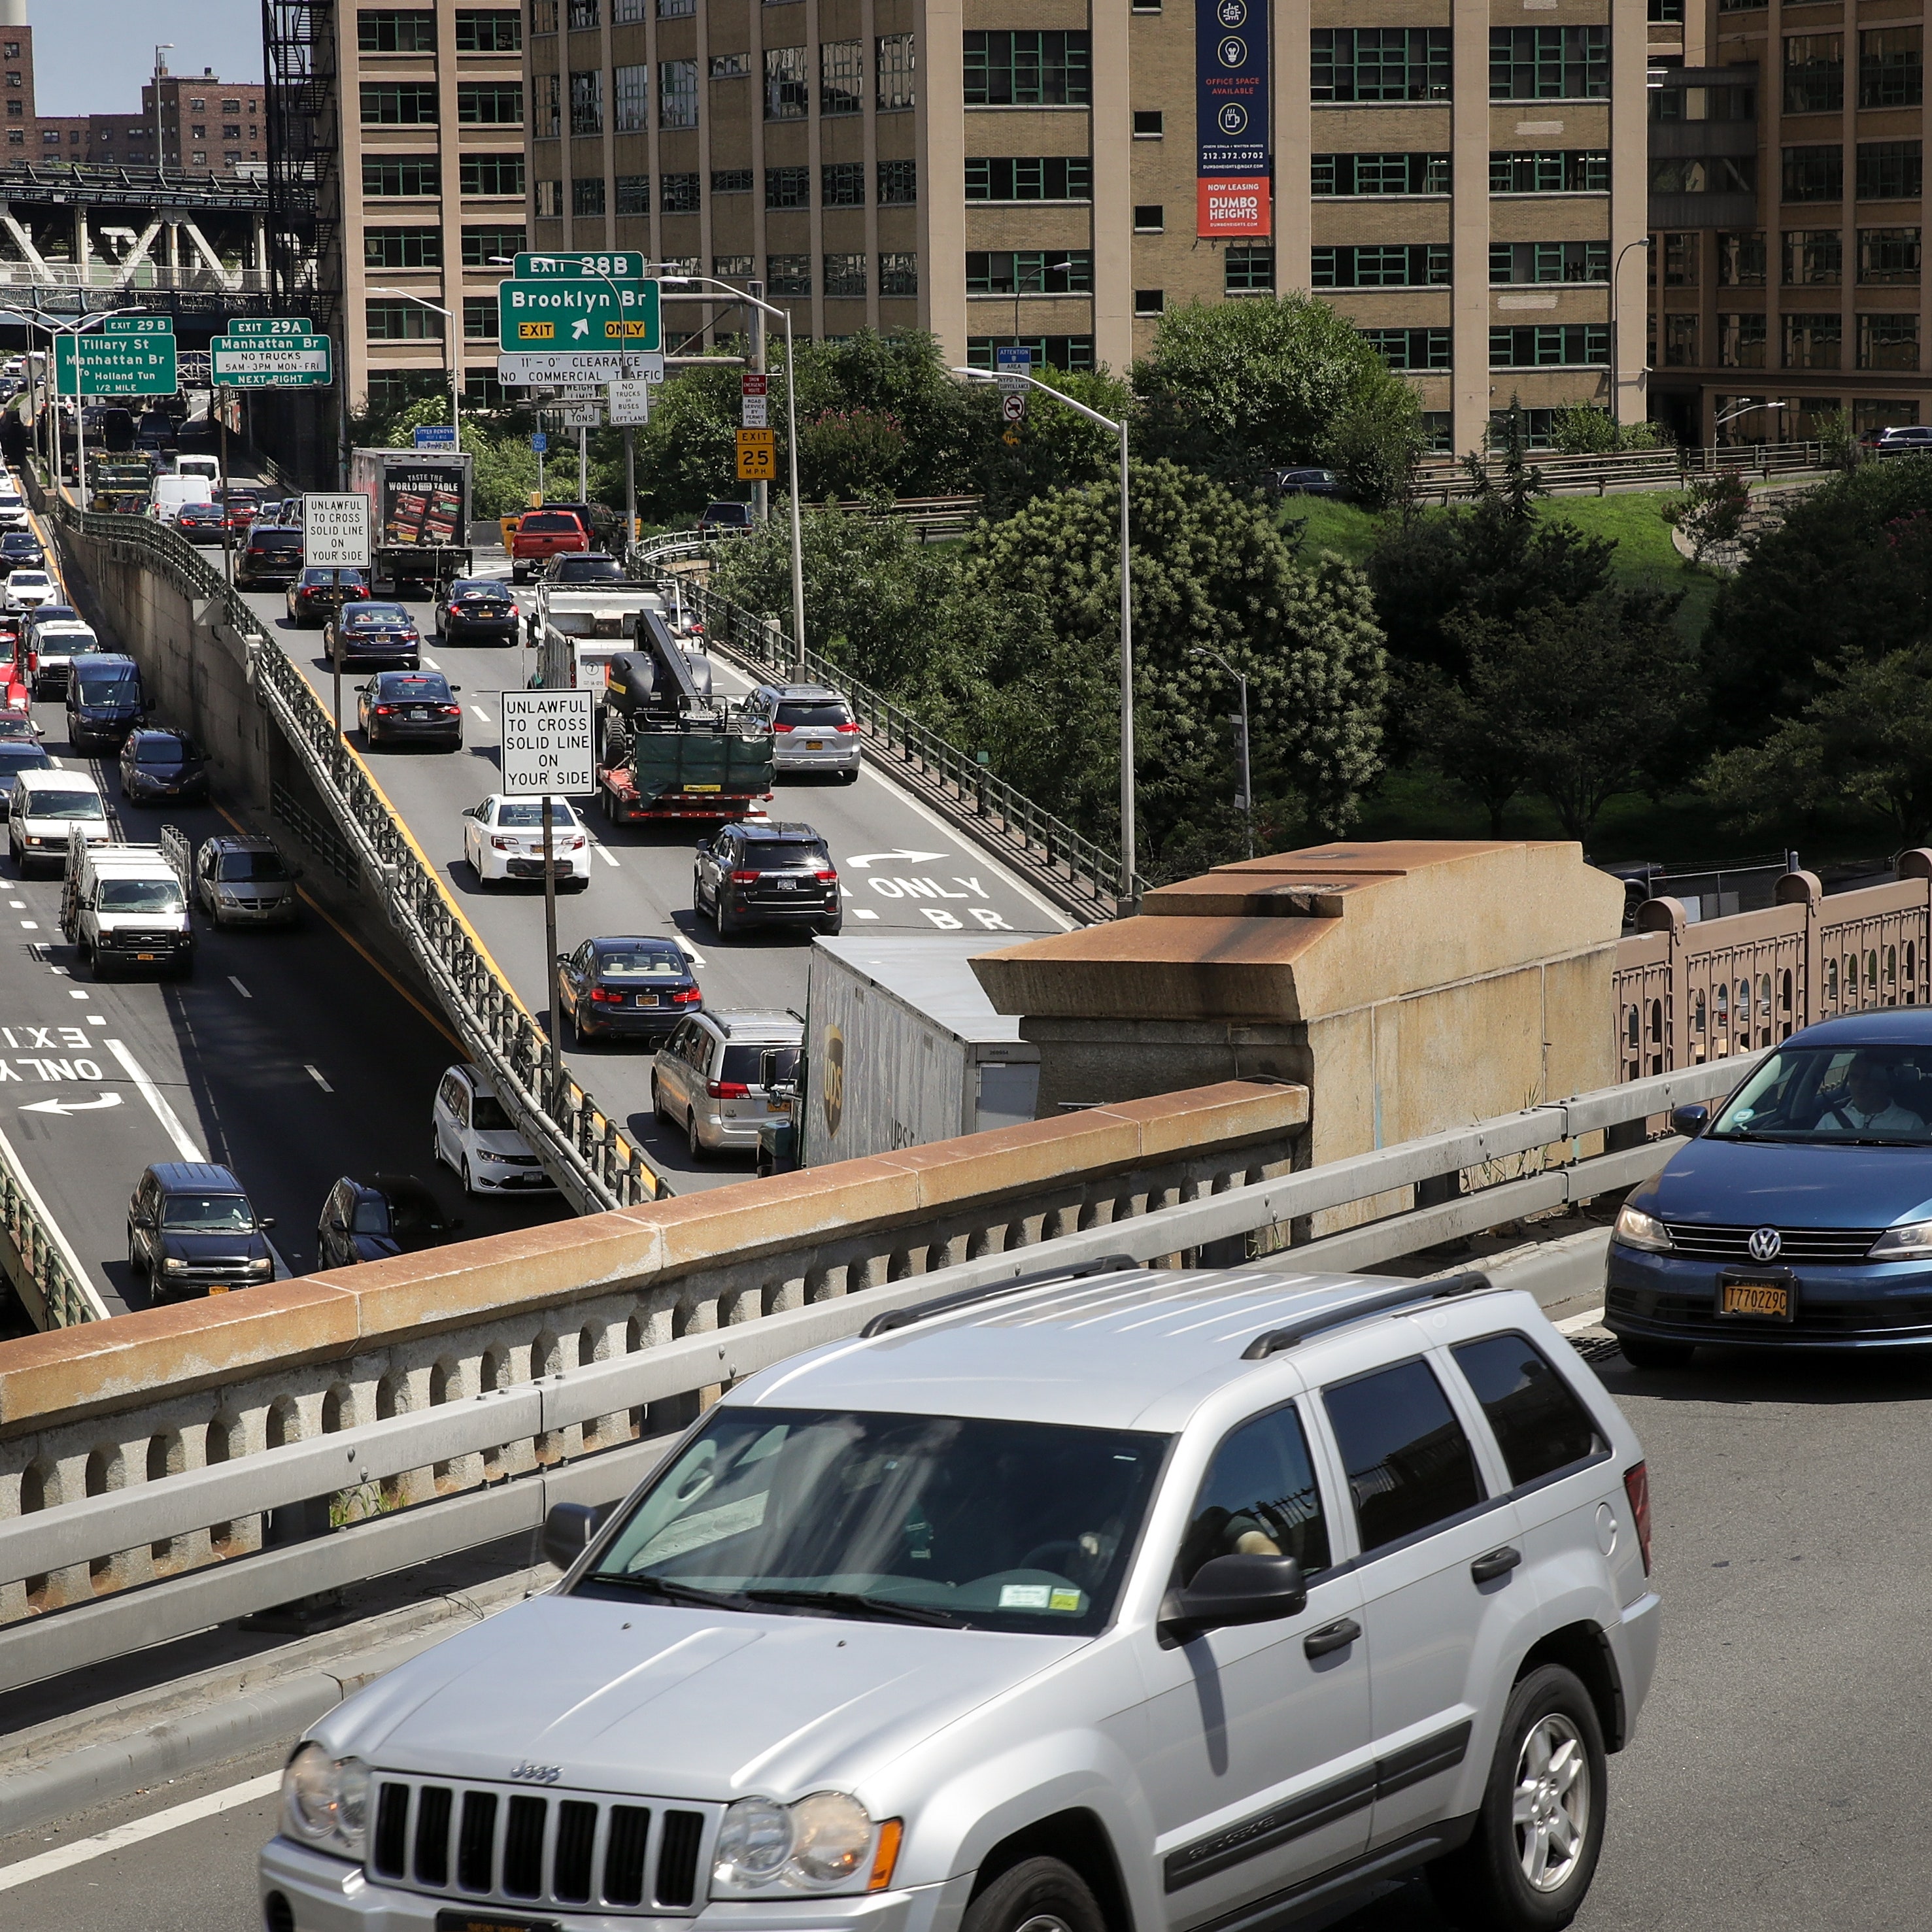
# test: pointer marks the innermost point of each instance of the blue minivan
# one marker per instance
(1800, 1212)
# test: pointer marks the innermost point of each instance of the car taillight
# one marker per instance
(844, 727)
(685, 998)
(603, 997)
(780, 728)
(826, 878)
(745, 878)
(1637, 1487)
(449, 710)
(573, 844)
(503, 844)
(727, 1089)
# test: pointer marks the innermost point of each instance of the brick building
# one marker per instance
(206, 125)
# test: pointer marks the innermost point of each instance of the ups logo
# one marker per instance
(832, 1078)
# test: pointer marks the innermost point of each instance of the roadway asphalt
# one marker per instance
(1771, 1783)
(902, 867)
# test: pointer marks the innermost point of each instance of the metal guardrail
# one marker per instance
(597, 1166)
(42, 1267)
(1575, 475)
(1080, 873)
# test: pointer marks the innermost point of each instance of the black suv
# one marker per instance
(766, 875)
(192, 1230)
(272, 555)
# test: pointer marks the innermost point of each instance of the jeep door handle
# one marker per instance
(1497, 1563)
(1337, 1636)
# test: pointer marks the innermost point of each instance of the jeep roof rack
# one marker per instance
(1409, 1294)
(964, 1298)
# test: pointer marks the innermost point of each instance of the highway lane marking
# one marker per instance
(156, 1100)
(604, 853)
(75, 993)
(863, 912)
(430, 663)
(317, 1078)
(239, 988)
(82, 1850)
(1576, 1324)
(30, 926)
(482, 714)
(697, 958)
(18, 905)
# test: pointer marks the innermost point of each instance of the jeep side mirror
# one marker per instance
(1228, 1590)
(1690, 1121)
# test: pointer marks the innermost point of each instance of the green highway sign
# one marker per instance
(116, 365)
(137, 325)
(618, 266)
(279, 325)
(278, 361)
(572, 316)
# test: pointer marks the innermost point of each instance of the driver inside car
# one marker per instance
(1866, 1105)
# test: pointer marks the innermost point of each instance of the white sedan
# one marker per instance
(502, 839)
(29, 589)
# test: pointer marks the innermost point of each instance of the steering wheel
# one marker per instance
(1044, 1555)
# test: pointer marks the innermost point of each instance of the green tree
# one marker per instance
(843, 453)
(1582, 429)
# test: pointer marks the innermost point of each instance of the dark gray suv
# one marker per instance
(750, 874)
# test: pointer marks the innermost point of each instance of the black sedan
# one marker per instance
(370, 1220)
(627, 989)
(476, 609)
(20, 550)
(410, 707)
(373, 633)
(1304, 482)
(317, 593)
(158, 767)
(204, 523)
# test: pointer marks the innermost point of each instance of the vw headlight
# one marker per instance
(1636, 1229)
(1911, 1243)
(325, 1800)
(826, 1842)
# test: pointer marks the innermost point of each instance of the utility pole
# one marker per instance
(582, 464)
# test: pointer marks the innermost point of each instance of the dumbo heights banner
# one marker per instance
(1231, 67)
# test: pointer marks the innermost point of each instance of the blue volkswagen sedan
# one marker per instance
(1800, 1212)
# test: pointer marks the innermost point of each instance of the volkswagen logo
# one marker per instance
(1765, 1244)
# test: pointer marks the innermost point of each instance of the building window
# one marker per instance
(1379, 63)
(1666, 12)
(197, 134)
(1074, 354)
(395, 30)
(788, 187)
(894, 64)
(234, 133)
(1551, 346)
(1411, 349)
(788, 275)
(1149, 124)
(549, 200)
(388, 175)
(1389, 265)
(731, 181)
(677, 194)
(1680, 261)
(1149, 301)
(787, 84)
(1029, 70)
(16, 137)
(1741, 260)
(546, 93)
(1550, 171)
(402, 248)
(1013, 177)
(11, 50)
(479, 318)
(487, 30)
(1814, 74)
(587, 195)
(1888, 341)
(1549, 63)
(484, 247)
(1680, 341)
(1889, 170)
(898, 274)
(728, 66)
(392, 104)
(1379, 174)
(633, 194)
(483, 389)
(1150, 218)
(841, 76)
(677, 94)
(1515, 263)
(842, 185)
(1741, 341)
(1888, 257)
(1813, 258)
(734, 267)
(898, 184)
(490, 174)
(1814, 174)
(543, 16)
(581, 13)
(1705, 174)
(489, 103)
(1030, 272)
(1891, 66)
(677, 10)
(586, 103)
(631, 99)
(1811, 341)
(845, 275)
(1245, 270)
(403, 321)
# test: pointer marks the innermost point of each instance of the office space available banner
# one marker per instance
(1231, 67)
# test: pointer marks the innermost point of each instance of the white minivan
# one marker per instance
(46, 806)
(171, 492)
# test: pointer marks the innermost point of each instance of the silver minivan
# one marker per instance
(811, 725)
(242, 879)
(1141, 1601)
(713, 1077)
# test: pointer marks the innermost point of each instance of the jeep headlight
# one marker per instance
(325, 1800)
(171, 1266)
(1636, 1229)
(826, 1842)
(261, 1267)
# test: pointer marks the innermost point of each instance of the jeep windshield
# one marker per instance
(915, 1519)
(1859, 1094)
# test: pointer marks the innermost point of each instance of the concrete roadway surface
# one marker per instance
(902, 868)
(1774, 1782)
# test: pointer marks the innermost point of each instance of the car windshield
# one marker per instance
(748, 1064)
(112, 684)
(208, 1213)
(76, 804)
(140, 895)
(243, 867)
(526, 815)
(13, 727)
(371, 1216)
(18, 755)
(642, 962)
(588, 570)
(809, 717)
(412, 690)
(346, 579)
(28, 579)
(1863, 1094)
(771, 855)
(488, 1117)
(160, 751)
(1009, 1525)
(480, 593)
(368, 616)
(536, 526)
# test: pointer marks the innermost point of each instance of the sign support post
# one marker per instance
(227, 519)
(554, 1004)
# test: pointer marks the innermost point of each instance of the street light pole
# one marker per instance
(160, 146)
(1616, 340)
(1246, 800)
(1126, 893)
(455, 358)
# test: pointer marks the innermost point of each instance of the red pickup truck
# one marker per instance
(541, 534)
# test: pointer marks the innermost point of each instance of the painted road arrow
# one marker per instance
(71, 1106)
(864, 859)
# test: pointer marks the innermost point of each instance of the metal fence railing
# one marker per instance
(1444, 480)
(597, 1166)
(46, 1270)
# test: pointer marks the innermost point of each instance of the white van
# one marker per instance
(47, 806)
(207, 467)
(126, 905)
(171, 492)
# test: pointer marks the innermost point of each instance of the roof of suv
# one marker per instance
(803, 694)
(188, 1177)
(754, 1026)
(794, 829)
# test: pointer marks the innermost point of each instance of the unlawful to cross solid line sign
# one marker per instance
(546, 741)
(335, 532)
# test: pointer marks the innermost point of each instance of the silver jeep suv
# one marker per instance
(1132, 1603)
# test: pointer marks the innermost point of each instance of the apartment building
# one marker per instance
(1466, 178)
(16, 83)
(1787, 141)
(204, 125)
(432, 191)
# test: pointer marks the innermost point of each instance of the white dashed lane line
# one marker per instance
(482, 714)
(318, 1079)
(239, 988)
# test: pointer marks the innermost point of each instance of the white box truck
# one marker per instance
(903, 1046)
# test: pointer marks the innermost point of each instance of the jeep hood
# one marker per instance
(667, 1702)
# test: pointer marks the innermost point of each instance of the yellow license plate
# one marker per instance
(704, 787)
(778, 1106)
(1771, 1298)
(144, 957)
(217, 1288)
(815, 744)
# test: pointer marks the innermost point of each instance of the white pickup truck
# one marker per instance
(125, 906)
